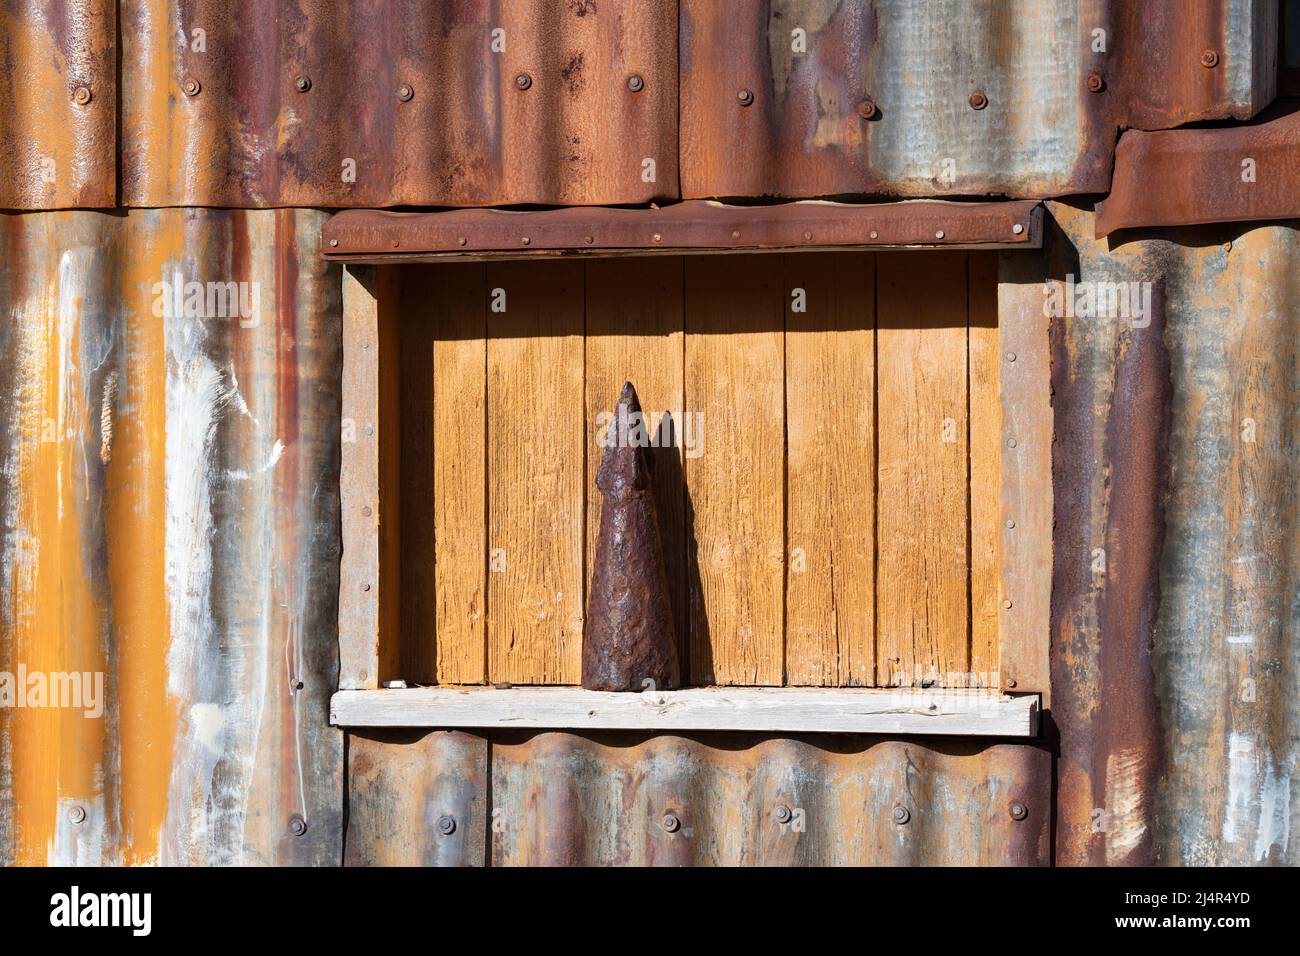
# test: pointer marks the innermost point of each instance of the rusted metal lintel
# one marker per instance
(376, 236)
(1191, 176)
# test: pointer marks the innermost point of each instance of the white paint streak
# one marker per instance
(1258, 809)
(1126, 822)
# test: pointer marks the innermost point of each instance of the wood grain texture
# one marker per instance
(922, 568)
(986, 519)
(735, 380)
(830, 480)
(776, 709)
(634, 325)
(536, 474)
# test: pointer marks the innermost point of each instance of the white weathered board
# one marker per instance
(781, 709)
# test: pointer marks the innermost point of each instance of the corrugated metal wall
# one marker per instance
(169, 504)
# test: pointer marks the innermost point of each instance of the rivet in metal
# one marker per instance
(523, 81)
(1209, 59)
(588, 239)
(365, 586)
(405, 92)
(635, 83)
(746, 97)
(657, 237)
(1011, 682)
(460, 240)
(807, 237)
(1011, 522)
(297, 825)
(1011, 356)
(302, 84)
(978, 100)
(670, 823)
(1019, 811)
(1007, 604)
(191, 86)
(333, 242)
(902, 815)
(366, 510)
(446, 825)
(1095, 83)
(938, 234)
(77, 814)
(867, 108)
(735, 234)
(393, 243)
(874, 234)
(1011, 443)
(1017, 229)
(781, 813)
(526, 241)
(81, 95)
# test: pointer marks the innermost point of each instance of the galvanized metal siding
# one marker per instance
(1177, 449)
(716, 799)
(169, 516)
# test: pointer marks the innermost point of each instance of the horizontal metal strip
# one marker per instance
(889, 711)
(365, 235)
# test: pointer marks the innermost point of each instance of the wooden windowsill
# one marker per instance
(967, 713)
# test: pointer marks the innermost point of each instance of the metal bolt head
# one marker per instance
(191, 86)
(1017, 229)
(657, 237)
(671, 823)
(405, 92)
(635, 83)
(807, 237)
(902, 815)
(446, 824)
(1011, 522)
(874, 234)
(81, 95)
(526, 241)
(938, 234)
(746, 97)
(302, 84)
(334, 242)
(1011, 443)
(867, 107)
(1011, 682)
(1007, 604)
(365, 510)
(978, 100)
(1209, 59)
(365, 586)
(297, 825)
(77, 814)
(1095, 83)
(781, 813)
(461, 240)
(1019, 811)
(1011, 356)
(523, 81)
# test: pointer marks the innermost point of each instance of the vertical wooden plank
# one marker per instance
(735, 487)
(443, 361)
(1026, 449)
(986, 518)
(831, 469)
(368, 308)
(922, 570)
(535, 472)
(635, 333)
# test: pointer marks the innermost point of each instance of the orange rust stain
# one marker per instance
(136, 527)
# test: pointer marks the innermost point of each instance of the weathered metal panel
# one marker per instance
(1232, 174)
(1176, 593)
(58, 87)
(169, 518)
(377, 103)
(824, 97)
(564, 799)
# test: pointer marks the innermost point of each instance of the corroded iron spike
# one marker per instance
(629, 637)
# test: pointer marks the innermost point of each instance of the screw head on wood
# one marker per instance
(1007, 604)
(81, 95)
(1011, 682)
(902, 815)
(745, 97)
(191, 86)
(867, 107)
(1019, 811)
(446, 824)
(1011, 522)
(1011, 443)
(1011, 356)
(365, 586)
(671, 823)
(523, 81)
(1209, 59)
(635, 83)
(781, 813)
(1095, 83)
(302, 84)
(77, 815)
(978, 100)
(297, 825)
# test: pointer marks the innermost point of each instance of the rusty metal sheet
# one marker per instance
(420, 102)
(169, 520)
(1176, 590)
(1232, 174)
(58, 127)
(417, 798)
(566, 799)
(366, 235)
(805, 98)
